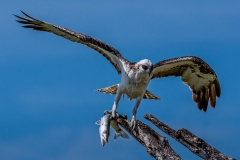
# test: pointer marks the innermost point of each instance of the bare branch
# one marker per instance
(189, 140)
(156, 145)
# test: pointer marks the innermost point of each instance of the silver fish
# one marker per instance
(115, 126)
(118, 130)
(104, 129)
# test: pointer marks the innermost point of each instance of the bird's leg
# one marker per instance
(115, 104)
(133, 121)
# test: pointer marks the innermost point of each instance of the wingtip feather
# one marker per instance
(212, 95)
(218, 88)
(202, 99)
(205, 100)
(195, 96)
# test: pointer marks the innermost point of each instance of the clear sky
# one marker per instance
(48, 106)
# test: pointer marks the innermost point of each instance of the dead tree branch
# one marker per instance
(189, 140)
(156, 145)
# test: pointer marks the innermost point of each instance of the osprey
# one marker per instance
(194, 72)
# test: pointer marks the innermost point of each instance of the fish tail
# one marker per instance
(122, 134)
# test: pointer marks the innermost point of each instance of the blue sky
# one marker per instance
(48, 107)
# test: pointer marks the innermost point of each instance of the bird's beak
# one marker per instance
(150, 71)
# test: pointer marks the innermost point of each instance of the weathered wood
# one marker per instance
(155, 144)
(189, 140)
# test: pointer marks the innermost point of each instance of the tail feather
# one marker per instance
(149, 95)
(109, 90)
(113, 90)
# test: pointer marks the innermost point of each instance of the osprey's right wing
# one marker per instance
(112, 55)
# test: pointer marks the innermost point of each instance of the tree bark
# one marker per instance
(189, 140)
(158, 146)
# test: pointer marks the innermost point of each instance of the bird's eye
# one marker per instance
(144, 67)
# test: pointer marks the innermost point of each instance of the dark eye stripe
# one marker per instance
(144, 67)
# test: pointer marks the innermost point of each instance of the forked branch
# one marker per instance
(158, 146)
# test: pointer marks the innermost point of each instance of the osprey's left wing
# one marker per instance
(196, 73)
(114, 57)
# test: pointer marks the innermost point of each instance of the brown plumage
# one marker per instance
(93, 43)
(195, 73)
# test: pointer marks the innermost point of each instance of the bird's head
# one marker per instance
(146, 66)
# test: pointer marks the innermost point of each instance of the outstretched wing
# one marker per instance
(106, 50)
(196, 73)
